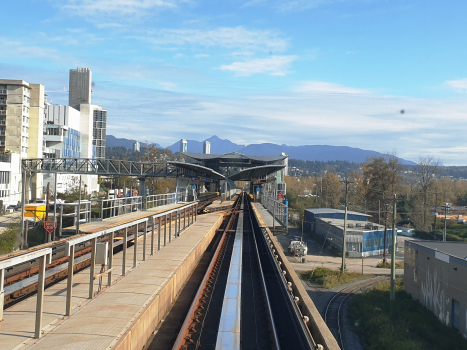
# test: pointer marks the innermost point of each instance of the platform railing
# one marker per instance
(278, 209)
(45, 257)
(156, 200)
(118, 206)
(181, 218)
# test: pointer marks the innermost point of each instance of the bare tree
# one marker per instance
(427, 169)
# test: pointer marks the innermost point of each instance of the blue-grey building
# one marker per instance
(362, 237)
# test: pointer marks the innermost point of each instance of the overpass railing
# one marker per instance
(278, 210)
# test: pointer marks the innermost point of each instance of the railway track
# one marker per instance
(332, 315)
(234, 306)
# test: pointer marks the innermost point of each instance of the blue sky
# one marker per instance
(294, 72)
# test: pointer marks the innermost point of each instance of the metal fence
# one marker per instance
(156, 200)
(156, 228)
(278, 209)
(110, 208)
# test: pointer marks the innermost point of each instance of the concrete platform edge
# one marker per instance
(149, 316)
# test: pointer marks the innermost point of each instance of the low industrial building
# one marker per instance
(363, 238)
(435, 274)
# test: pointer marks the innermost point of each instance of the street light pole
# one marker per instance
(347, 182)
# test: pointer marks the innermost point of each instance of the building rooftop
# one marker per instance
(333, 211)
(455, 249)
(354, 227)
(13, 82)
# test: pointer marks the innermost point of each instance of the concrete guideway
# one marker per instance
(316, 325)
(124, 315)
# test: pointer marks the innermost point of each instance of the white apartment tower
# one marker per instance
(183, 146)
(136, 146)
(207, 147)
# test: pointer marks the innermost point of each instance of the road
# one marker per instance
(6, 219)
(322, 257)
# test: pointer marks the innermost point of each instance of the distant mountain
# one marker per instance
(218, 146)
(308, 152)
(316, 152)
(112, 141)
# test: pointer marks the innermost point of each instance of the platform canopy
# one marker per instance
(196, 170)
(230, 164)
(259, 172)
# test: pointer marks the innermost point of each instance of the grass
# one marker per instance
(387, 264)
(328, 278)
(414, 327)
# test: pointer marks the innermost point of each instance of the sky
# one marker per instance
(382, 75)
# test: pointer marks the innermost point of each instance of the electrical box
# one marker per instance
(102, 250)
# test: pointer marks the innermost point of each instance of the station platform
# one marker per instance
(122, 316)
(266, 218)
(219, 206)
(108, 224)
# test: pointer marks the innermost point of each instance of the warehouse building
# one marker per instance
(363, 238)
(435, 274)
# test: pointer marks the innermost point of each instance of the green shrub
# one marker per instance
(413, 326)
(328, 278)
(10, 239)
(387, 264)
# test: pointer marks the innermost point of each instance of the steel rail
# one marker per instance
(184, 337)
(350, 290)
(263, 286)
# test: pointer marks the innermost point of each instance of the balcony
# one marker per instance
(2, 133)
(2, 143)
(2, 112)
(3, 102)
(3, 92)
(4, 156)
(2, 122)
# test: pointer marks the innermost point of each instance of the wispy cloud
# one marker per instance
(289, 5)
(458, 85)
(274, 65)
(227, 37)
(328, 88)
(116, 8)
(16, 48)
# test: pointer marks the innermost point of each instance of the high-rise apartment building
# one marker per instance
(14, 116)
(136, 146)
(80, 87)
(22, 108)
(183, 146)
(99, 131)
(207, 147)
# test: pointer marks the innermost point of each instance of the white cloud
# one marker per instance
(458, 85)
(274, 65)
(118, 8)
(327, 88)
(202, 55)
(18, 49)
(227, 37)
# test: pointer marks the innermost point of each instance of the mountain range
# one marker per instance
(307, 152)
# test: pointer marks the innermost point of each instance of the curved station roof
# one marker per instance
(195, 170)
(256, 172)
(236, 166)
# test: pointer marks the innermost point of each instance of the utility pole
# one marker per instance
(393, 255)
(385, 233)
(47, 211)
(347, 182)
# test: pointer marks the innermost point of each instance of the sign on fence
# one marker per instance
(49, 226)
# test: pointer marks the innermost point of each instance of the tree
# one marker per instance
(381, 176)
(427, 169)
(331, 189)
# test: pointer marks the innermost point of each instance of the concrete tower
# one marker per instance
(80, 87)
